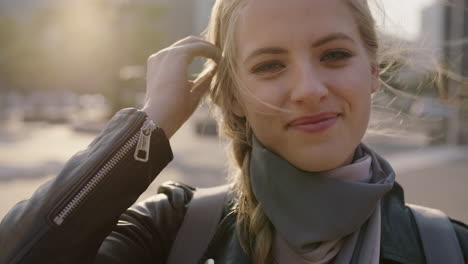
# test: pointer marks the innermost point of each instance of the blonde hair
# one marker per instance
(252, 223)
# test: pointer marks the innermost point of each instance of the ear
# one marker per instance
(375, 72)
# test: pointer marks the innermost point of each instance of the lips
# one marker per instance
(312, 119)
(315, 123)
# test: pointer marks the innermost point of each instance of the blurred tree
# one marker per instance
(27, 66)
(78, 45)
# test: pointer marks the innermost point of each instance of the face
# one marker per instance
(309, 80)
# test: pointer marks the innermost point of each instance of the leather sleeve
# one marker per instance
(31, 233)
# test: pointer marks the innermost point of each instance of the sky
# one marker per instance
(403, 17)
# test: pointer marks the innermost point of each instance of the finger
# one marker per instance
(189, 40)
(189, 52)
(202, 79)
(202, 50)
(200, 87)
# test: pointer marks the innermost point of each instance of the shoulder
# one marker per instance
(176, 193)
(145, 232)
(168, 207)
(171, 199)
(400, 234)
(461, 230)
(163, 212)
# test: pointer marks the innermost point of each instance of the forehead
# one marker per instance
(277, 22)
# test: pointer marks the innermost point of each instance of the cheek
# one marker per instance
(260, 106)
(262, 93)
(355, 87)
(358, 100)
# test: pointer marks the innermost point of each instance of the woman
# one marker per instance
(293, 81)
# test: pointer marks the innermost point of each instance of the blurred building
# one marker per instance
(22, 8)
(445, 30)
(181, 17)
(202, 14)
(185, 18)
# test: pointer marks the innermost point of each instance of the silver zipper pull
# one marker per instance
(143, 145)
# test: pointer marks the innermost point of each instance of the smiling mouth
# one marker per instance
(315, 124)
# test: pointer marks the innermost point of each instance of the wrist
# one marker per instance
(161, 120)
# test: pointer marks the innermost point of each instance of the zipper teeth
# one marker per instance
(96, 179)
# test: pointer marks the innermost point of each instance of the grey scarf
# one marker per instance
(308, 207)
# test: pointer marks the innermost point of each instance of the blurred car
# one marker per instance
(51, 107)
(436, 116)
(432, 108)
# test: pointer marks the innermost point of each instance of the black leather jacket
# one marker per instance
(83, 214)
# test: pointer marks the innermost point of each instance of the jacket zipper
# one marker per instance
(142, 141)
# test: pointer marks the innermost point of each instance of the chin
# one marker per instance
(321, 160)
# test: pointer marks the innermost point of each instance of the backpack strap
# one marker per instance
(438, 236)
(199, 225)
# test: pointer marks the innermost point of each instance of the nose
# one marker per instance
(308, 86)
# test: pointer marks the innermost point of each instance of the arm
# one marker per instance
(67, 218)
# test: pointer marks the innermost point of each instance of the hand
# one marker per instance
(170, 100)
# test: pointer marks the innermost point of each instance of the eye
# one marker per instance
(336, 55)
(268, 68)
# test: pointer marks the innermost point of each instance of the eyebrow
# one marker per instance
(331, 37)
(268, 50)
(316, 44)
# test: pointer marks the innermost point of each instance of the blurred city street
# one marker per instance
(32, 153)
(65, 66)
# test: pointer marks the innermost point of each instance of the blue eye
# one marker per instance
(270, 67)
(336, 55)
